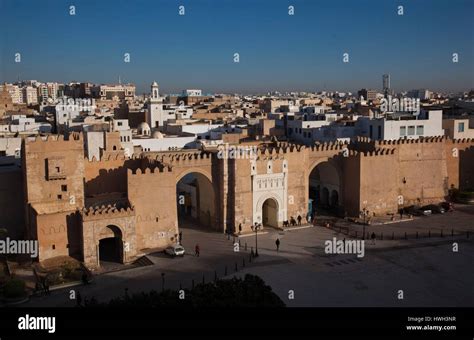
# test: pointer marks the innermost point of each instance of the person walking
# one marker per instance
(299, 218)
(240, 228)
(277, 242)
(78, 299)
(197, 250)
(373, 237)
(84, 278)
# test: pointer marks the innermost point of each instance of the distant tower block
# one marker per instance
(386, 84)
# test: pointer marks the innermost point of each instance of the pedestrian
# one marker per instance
(180, 237)
(277, 242)
(292, 221)
(240, 228)
(46, 286)
(78, 299)
(197, 250)
(84, 278)
(299, 218)
(373, 237)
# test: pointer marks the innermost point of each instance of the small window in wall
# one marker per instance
(403, 131)
(60, 197)
(119, 123)
(54, 246)
(411, 130)
(461, 127)
(64, 187)
(420, 130)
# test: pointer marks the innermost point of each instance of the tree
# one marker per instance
(236, 292)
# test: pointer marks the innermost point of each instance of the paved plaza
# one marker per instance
(427, 270)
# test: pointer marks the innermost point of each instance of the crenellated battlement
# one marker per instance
(438, 139)
(106, 211)
(107, 158)
(163, 168)
(75, 137)
(184, 156)
(378, 152)
(329, 146)
(462, 141)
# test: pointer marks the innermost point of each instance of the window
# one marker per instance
(60, 197)
(54, 246)
(411, 130)
(461, 127)
(403, 131)
(420, 130)
(64, 187)
(119, 123)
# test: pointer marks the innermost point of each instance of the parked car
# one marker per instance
(447, 206)
(175, 250)
(435, 209)
(416, 211)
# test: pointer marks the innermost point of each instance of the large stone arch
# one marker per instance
(258, 207)
(119, 225)
(182, 172)
(332, 186)
(200, 201)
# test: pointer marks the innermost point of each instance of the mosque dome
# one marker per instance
(144, 129)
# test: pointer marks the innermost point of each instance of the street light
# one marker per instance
(364, 213)
(162, 282)
(255, 228)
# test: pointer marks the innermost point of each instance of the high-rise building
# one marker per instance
(30, 95)
(386, 84)
(368, 94)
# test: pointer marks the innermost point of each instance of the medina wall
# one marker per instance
(152, 193)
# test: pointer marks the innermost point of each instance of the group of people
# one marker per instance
(293, 222)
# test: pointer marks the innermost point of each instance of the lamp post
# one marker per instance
(364, 213)
(255, 228)
(162, 282)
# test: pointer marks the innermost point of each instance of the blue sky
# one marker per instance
(277, 51)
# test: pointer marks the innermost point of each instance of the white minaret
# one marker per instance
(155, 107)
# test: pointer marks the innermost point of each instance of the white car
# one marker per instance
(175, 250)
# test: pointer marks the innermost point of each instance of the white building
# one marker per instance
(426, 124)
(21, 123)
(155, 114)
(10, 146)
(122, 126)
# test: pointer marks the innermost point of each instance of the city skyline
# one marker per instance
(277, 51)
